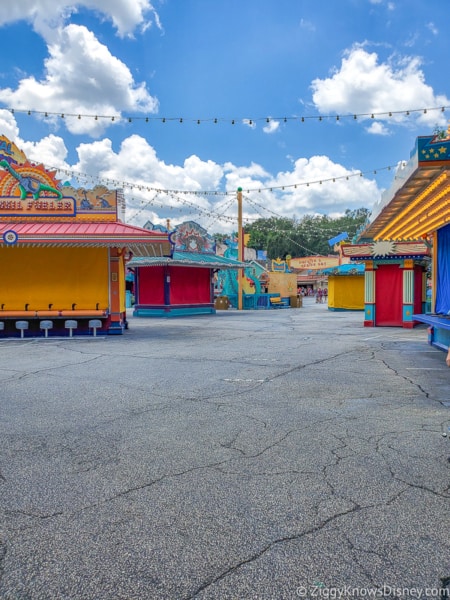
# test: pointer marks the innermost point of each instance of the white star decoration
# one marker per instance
(382, 248)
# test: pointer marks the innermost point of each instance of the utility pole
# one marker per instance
(240, 274)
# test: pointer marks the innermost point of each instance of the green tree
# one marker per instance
(282, 236)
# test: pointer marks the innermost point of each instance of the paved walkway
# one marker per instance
(245, 455)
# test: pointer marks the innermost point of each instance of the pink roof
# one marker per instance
(113, 234)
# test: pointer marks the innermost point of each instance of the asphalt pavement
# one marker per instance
(273, 454)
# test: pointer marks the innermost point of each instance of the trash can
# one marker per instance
(294, 301)
(221, 303)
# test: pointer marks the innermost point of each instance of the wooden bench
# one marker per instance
(277, 302)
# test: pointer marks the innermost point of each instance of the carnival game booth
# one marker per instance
(417, 207)
(182, 284)
(62, 253)
(345, 287)
(394, 281)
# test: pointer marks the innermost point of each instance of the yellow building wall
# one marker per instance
(346, 292)
(58, 276)
(284, 284)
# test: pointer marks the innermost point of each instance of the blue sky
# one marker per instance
(263, 64)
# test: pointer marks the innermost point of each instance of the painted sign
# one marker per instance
(434, 148)
(43, 207)
(313, 263)
(191, 237)
(8, 150)
(384, 249)
(31, 190)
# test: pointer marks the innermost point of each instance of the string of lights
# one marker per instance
(118, 118)
(192, 208)
(145, 188)
(218, 216)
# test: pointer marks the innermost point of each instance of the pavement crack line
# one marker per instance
(34, 515)
(55, 368)
(231, 445)
(290, 538)
(410, 381)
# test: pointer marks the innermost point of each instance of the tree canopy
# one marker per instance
(281, 236)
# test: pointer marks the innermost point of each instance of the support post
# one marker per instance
(240, 274)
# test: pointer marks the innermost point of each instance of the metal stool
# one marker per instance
(95, 324)
(71, 325)
(22, 325)
(46, 325)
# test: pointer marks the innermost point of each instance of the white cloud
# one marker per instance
(272, 126)
(307, 25)
(8, 125)
(364, 85)
(51, 151)
(125, 15)
(340, 189)
(432, 27)
(378, 128)
(82, 77)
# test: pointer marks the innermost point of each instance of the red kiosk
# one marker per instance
(182, 284)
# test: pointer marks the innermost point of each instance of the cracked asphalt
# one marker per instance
(244, 455)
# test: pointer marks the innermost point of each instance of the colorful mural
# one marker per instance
(31, 190)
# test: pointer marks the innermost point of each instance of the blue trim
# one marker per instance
(170, 311)
(345, 309)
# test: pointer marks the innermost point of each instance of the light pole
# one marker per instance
(240, 247)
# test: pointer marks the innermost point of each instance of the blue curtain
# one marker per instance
(443, 271)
